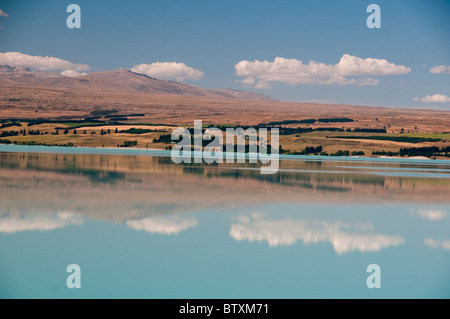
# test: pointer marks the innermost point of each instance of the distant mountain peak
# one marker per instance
(13, 69)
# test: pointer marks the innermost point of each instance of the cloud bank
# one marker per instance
(163, 225)
(50, 222)
(3, 14)
(169, 70)
(42, 63)
(261, 74)
(344, 237)
(436, 98)
(440, 69)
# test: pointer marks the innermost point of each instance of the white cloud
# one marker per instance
(42, 63)
(72, 73)
(440, 69)
(292, 71)
(432, 215)
(351, 65)
(16, 224)
(163, 225)
(3, 14)
(435, 243)
(344, 237)
(436, 98)
(168, 70)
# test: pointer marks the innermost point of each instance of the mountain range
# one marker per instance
(121, 80)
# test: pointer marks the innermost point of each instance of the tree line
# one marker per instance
(21, 132)
(430, 151)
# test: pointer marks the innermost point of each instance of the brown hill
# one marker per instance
(118, 81)
(246, 95)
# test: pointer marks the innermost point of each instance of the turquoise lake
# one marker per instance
(140, 226)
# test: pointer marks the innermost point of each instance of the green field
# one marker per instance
(84, 124)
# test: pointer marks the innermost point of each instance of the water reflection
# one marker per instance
(120, 187)
(437, 243)
(344, 236)
(432, 214)
(317, 226)
(151, 193)
(13, 224)
(163, 225)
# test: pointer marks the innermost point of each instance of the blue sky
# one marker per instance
(213, 36)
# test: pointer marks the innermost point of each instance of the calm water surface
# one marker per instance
(140, 226)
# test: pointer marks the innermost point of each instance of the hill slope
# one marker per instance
(118, 81)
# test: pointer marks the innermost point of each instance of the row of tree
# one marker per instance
(430, 151)
(21, 132)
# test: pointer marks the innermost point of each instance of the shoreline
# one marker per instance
(9, 148)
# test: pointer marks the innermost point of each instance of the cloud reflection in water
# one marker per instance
(345, 237)
(163, 225)
(14, 224)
